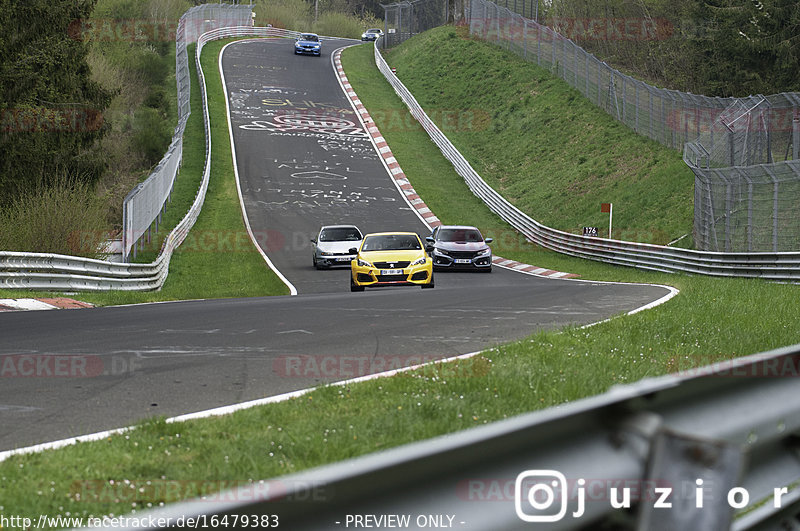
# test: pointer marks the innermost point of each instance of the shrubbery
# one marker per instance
(64, 217)
(298, 15)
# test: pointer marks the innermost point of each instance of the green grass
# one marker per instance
(217, 260)
(710, 320)
(541, 144)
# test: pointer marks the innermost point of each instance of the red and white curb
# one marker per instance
(11, 305)
(402, 182)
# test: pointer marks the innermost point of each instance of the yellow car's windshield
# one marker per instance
(391, 242)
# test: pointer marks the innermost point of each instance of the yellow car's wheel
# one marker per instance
(354, 286)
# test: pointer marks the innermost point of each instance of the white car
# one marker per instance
(333, 243)
(371, 34)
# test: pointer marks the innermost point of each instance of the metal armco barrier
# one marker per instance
(774, 266)
(144, 204)
(694, 449)
(61, 272)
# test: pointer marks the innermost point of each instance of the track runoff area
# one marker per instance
(297, 173)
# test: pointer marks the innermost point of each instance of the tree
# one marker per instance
(50, 109)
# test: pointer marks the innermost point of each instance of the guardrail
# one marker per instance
(145, 203)
(54, 272)
(712, 441)
(773, 266)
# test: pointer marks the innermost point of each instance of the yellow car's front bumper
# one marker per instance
(420, 275)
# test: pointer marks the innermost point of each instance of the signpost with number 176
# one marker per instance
(608, 207)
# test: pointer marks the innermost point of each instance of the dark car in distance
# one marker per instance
(460, 247)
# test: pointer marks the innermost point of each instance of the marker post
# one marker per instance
(608, 207)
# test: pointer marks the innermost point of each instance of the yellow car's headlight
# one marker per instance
(419, 261)
(363, 263)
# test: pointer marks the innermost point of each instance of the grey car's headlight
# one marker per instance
(418, 261)
(484, 252)
(440, 251)
(363, 263)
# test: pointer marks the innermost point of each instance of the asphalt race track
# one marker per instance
(304, 161)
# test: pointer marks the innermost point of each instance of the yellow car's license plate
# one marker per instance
(391, 272)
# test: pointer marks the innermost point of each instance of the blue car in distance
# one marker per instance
(308, 43)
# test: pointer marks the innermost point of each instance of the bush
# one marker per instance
(339, 25)
(298, 15)
(66, 217)
(151, 133)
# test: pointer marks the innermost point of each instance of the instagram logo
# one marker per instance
(535, 493)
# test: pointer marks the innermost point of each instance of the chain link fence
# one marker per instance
(669, 117)
(747, 176)
(744, 152)
(403, 20)
(144, 205)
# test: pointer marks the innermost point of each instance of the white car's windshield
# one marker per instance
(340, 234)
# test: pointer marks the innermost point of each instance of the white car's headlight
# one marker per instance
(418, 261)
(363, 263)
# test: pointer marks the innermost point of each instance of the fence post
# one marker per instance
(775, 188)
(525, 35)
(796, 134)
(586, 74)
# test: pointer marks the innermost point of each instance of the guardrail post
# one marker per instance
(686, 464)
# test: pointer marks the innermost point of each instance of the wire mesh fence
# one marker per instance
(144, 205)
(669, 117)
(403, 20)
(740, 149)
(747, 176)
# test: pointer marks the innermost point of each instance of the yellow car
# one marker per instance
(390, 259)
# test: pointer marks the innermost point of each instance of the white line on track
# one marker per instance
(225, 410)
(292, 289)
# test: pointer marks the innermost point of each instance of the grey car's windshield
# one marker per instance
(309, 37)
(391, 242)
(459, 235)
(340, 234)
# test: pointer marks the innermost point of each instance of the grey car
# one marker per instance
(460, 247)
(333, 243)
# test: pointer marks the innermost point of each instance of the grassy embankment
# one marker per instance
(217, 259)
(711, 319)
